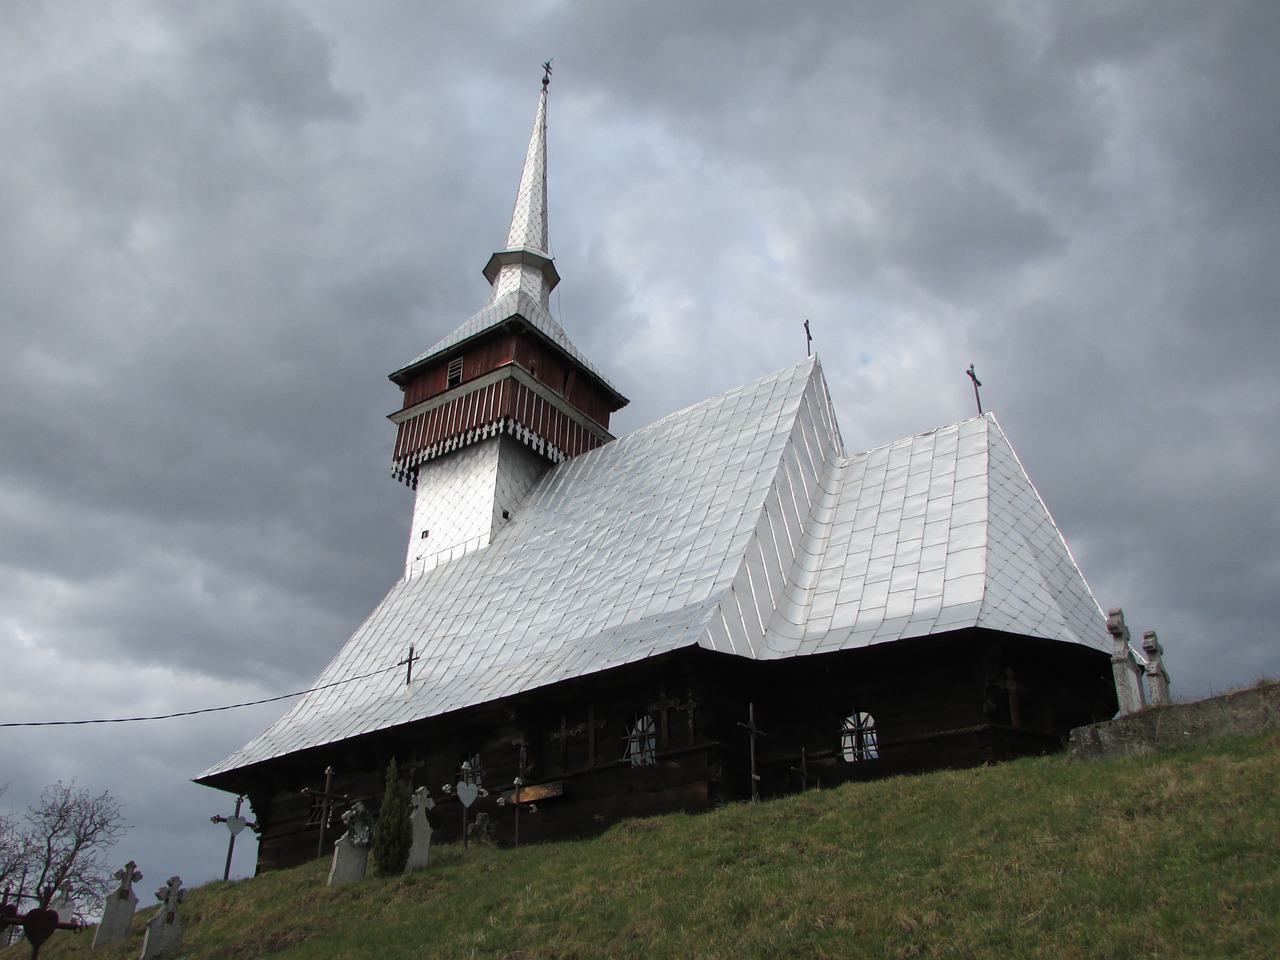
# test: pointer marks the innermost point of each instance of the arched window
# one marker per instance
(858, 740)
(642, 743)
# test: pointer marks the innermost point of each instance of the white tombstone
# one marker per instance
(419, 819)
(165, 929)
(351, 852)
(62, 903)
(118, 909)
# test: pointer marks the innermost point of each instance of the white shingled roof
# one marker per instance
(736, 525)
(515, 303)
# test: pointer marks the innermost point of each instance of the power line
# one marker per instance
(192, 713)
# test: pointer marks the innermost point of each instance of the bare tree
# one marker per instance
(67, 836)
(15, 852)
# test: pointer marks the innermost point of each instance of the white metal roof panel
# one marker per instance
(736, 524)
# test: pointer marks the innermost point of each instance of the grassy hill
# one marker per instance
(1176, 855)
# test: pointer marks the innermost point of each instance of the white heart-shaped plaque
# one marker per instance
(467, 793)
(236, 824)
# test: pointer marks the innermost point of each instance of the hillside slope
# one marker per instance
(1176, 855)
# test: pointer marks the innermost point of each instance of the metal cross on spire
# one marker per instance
(808, 340)
(546, 73)
(976, 384)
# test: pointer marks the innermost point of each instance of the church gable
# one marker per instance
(779, 551)
(941, 532)
(1033, 584)
(618, 555)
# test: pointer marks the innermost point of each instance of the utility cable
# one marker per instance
(192, 713)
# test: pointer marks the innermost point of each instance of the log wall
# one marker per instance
(966, 699)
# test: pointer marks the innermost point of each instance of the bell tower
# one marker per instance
(506, 395)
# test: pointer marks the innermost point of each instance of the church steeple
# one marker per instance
(526, 262)
(507, 394)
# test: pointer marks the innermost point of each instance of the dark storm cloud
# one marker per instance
(221, 226)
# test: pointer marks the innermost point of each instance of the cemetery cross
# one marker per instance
(754, 731)
(326, 796)
(235, 823)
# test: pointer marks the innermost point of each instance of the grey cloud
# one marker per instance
(222, 226)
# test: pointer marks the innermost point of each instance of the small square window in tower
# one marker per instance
(858, 741)
(453, 376)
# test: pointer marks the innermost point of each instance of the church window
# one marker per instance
(858, 740)
(454, 376)
(642, 743)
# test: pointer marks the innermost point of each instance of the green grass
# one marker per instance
(1170, 856)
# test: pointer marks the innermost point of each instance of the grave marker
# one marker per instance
(165, 929)
(423, 822)
(351, 852)
(326, 798)
(119, 907)
(754, 731)
(236, 824)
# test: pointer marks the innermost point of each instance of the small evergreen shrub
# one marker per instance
(393, 834)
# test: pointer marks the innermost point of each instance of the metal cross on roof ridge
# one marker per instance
(976, 384)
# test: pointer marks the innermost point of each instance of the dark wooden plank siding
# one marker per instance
(937, 702)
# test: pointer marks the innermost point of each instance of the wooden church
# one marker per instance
(720, 605)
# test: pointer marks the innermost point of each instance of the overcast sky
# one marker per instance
(222, 225)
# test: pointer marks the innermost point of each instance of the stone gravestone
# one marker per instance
(1157, 675)
(164, 930)
(351, 852)
(481, 831)
(423, 820)
(117, 911)
(62, 903)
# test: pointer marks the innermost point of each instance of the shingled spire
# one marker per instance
(526, 264)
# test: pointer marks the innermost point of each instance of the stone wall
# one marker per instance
(1159, 728)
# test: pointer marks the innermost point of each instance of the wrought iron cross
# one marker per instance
(38, 923)
(522, 772)
(592, 726)
(235, 823)
(467, 789)
(754, 731)
(661, 707)
(803, 770)
(327, 796)
(689, 707)
(546, 74)
(808, 340)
